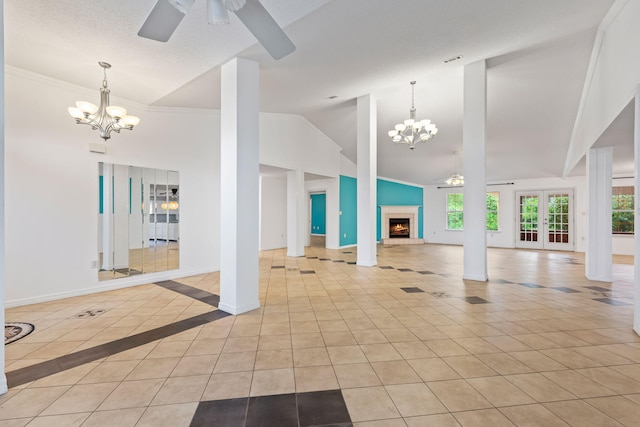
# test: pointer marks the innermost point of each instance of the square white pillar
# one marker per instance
(296, 213)
(475, 181)
(367, 163)
(598, 260)
(239, 179)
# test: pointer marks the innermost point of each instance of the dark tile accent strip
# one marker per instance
(228, 413)
(338, 260)
(502, 282)
(475, 300)
(412, 290)
(62, 363)
(611, 301)
(404, 270)
(530, 285)
(386, 267)
(312, 257)
(313, 409)
(190, 291)
(598, 288)
(325, 259)
(426, 272)
(307, 272)
(566, 290)
(351, 262)
(347, 252)
(322, 408)
(273, 267)
(277, 410)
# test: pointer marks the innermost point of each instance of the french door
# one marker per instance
(544, 220)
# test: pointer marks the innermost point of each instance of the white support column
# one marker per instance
(239, 193)
(598, 260)
(3, 378)
(367, 158)
(475, 187)
(296, 219)
(636, 184)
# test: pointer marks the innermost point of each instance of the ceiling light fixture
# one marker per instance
(413, 131)
(455, 179)
(105, 118)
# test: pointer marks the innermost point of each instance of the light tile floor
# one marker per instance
(536, 347)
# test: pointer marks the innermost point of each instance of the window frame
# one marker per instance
(615, 194)
(449, 212)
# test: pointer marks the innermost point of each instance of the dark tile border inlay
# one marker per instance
(312, 409)
(404, 270)
(274, 267)
(351, 262)
(386, 267)
(63, 363)
(191, 292)
(611, 301)
(531, 285)
(312, 257)
(413, 290)
(598, 288)
(425, 272)
(502, 282)
(566, 290)
(307, 272)
(322, 408)
(475, 300)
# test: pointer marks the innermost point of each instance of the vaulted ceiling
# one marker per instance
(537, 55)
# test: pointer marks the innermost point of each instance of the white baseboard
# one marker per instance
(238, 310)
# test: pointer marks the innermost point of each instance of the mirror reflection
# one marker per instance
(138, 221)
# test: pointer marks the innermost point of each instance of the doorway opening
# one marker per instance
(318, 219)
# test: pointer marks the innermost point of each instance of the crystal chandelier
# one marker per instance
(105, 118)
(412, 130)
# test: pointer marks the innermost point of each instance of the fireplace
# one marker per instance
(399, 225)
(399, 228)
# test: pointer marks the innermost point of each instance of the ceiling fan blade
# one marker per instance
(256, 18)
(161, 22)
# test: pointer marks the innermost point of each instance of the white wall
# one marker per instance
(52, 186)
(273, 212)
(435, 211)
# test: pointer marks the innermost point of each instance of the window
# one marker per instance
(493, 205)
(622, 210)
(455, 207)
(454, 211)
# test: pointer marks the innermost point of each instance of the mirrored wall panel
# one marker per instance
(138, 220)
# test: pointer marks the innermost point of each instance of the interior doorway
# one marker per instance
(318, 219)
(545, 220)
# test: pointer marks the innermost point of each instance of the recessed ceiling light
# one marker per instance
(455, 58)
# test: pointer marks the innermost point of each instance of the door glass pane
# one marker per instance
(558, 222)
(529, 218)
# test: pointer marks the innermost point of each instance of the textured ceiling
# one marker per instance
(537, 54)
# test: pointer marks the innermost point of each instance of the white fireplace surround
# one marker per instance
(391, 212)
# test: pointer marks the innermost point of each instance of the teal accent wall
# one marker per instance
(389, 194)
(395, 194)
(318, 213)
(349, 209)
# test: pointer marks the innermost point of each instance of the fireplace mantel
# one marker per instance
(388, 212)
